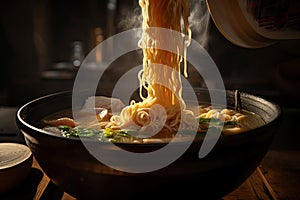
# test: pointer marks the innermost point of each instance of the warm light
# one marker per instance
(99, 38)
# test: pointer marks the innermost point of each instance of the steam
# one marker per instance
(199, 20)
(131, 19)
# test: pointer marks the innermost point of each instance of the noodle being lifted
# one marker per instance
(163, 109)
(162, 113)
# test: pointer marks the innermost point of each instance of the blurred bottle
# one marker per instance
(77, 55)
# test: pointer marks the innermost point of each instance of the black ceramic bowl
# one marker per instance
(72, 168)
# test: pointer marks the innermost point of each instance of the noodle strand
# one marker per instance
(161, 75)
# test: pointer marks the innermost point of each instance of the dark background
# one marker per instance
(36, 36)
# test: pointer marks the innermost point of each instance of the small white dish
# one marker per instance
(15, 164)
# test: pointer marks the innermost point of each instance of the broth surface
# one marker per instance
(91, 125)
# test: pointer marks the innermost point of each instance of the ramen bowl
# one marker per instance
(75, 169)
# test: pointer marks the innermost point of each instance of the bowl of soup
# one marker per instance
(93, 161)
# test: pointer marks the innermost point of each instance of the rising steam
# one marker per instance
(131, 19)
(199, 20)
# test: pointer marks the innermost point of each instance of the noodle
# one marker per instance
(162, 111)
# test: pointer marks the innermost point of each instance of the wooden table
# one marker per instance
(277, 177)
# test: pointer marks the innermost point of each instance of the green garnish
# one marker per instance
(64, 128)
(108, 132)
(102, 135)
(111, 135)
(205, 122)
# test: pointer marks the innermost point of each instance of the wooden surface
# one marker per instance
(277, 177)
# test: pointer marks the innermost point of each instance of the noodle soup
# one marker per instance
(67, 162)
(94, 123)
(158, 117)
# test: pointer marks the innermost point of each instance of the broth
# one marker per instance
(94, 126)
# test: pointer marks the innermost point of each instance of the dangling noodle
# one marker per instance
(163, 111)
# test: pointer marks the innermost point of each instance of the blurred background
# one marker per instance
(42, 44)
